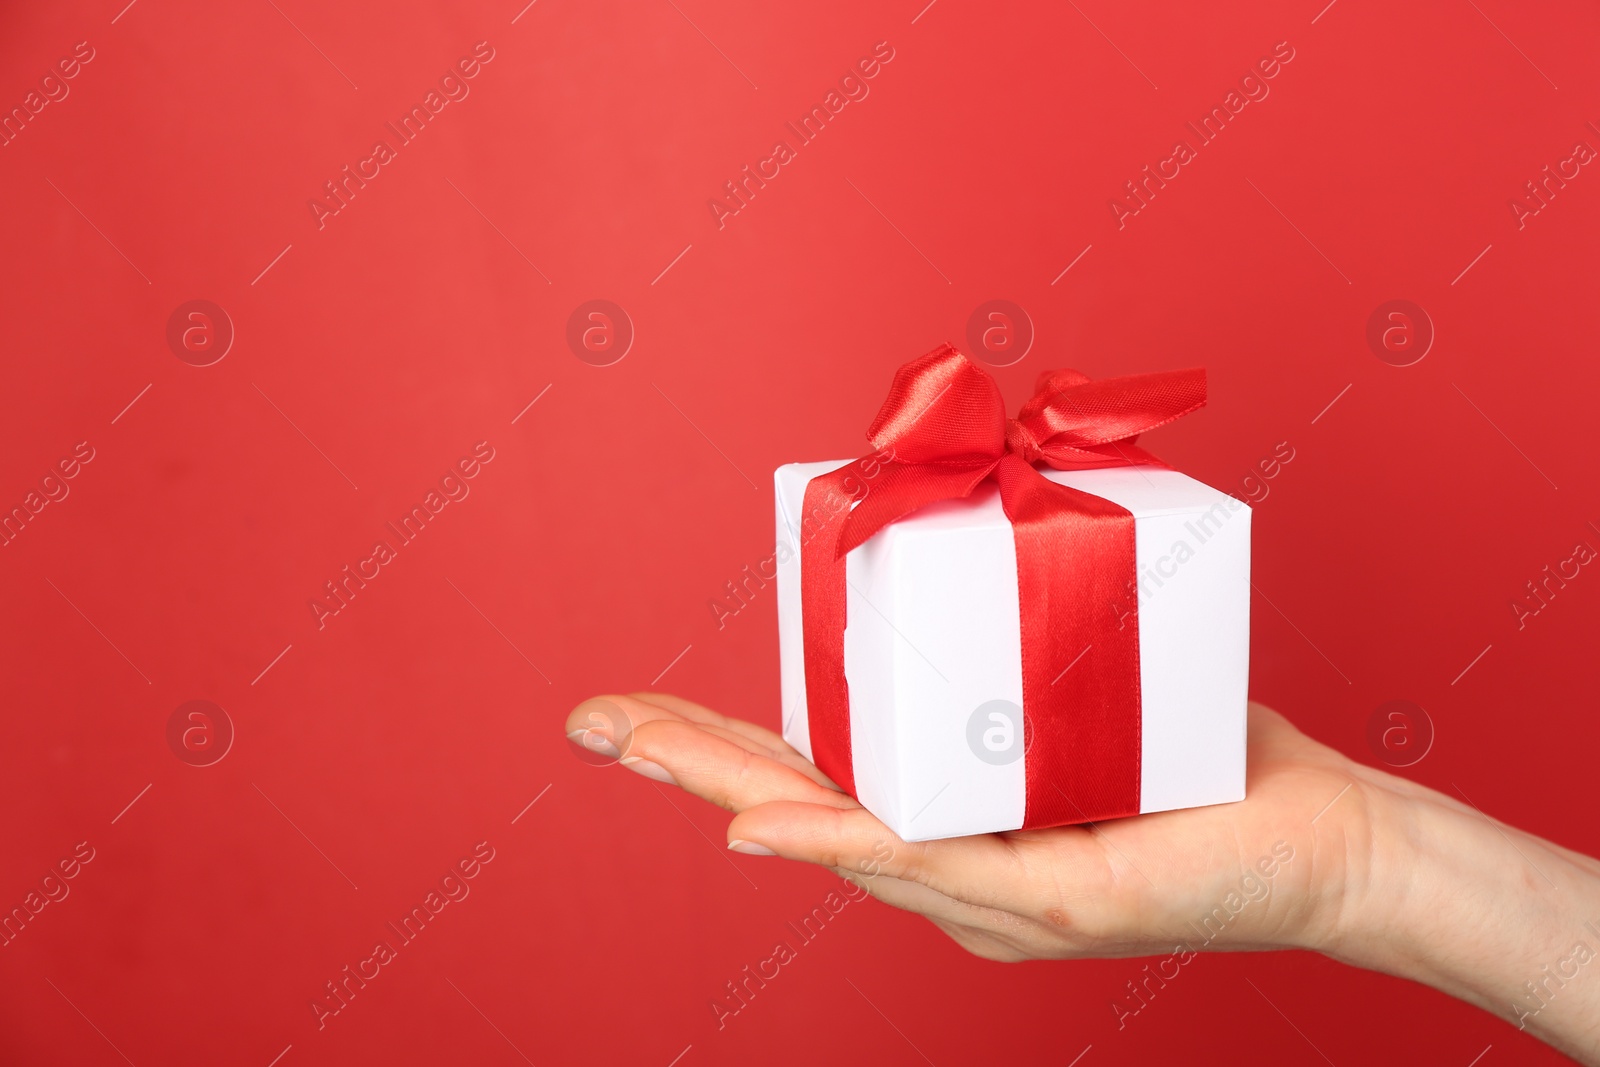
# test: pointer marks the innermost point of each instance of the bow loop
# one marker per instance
(1080, 422)
(941, 409)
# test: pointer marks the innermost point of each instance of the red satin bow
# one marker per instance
(946, 425)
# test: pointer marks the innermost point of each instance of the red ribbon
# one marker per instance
(945, 425)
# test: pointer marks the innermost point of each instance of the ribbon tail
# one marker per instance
(1076, 574)
(902, 488)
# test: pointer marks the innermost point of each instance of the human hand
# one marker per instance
(1323, 853)
(1274, 870)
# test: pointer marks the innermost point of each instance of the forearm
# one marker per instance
(1482, 911)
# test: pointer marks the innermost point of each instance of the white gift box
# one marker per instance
(933, 637)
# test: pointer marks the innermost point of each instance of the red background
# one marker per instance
(411, 326)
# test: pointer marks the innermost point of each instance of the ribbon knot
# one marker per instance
(1020, 440)
(945, 425)
(945, 422)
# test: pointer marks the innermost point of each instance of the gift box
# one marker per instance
(994, 624)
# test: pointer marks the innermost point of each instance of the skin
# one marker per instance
(1385, 874)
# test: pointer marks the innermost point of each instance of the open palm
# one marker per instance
(1274, 870)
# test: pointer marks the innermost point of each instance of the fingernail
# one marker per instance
(649, 769)
(750, 848)
(593, 741)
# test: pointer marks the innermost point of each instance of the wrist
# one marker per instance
(1446, 897)
(1381, 860)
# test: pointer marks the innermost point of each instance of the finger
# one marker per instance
(786, 755)
(688, 709)
(611, 719)
(985, 944)
(614, 719)
(720, 769)
(964, 922)
(981, 871)
(772, 743)
(999, 932)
